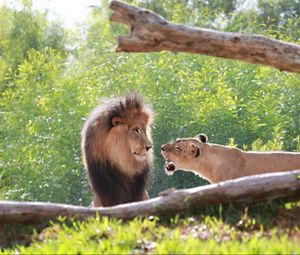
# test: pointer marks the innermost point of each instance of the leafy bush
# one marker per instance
(48, 96)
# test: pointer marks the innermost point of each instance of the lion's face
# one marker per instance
(138, 140)
(182, 151)
(135, 134)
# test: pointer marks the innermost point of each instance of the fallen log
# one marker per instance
(245, 190)
(152, 33)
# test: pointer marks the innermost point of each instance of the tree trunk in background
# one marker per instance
(152, 33)
(246, 190)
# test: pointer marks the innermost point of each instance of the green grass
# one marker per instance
(268, 229)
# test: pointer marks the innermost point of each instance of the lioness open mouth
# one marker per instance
(169, 167)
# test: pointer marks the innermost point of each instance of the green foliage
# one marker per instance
(45, 96)
(277, 11)
(20, 31)
(33, 137)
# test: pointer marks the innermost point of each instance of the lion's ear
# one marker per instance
(195, 150)
(202, 138)
(117, 121)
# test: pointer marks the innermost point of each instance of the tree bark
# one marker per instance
(152, 33)
(246, 190)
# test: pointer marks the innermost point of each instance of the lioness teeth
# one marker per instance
(169, 166)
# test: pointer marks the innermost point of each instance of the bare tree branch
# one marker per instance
(152, 33)
(246, 190)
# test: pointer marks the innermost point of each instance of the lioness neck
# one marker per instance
(206, 163)
(215, 159)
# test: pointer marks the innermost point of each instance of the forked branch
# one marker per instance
(152, 33)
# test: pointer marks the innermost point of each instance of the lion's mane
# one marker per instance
(115, 181)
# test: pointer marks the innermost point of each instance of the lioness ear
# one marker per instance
(202, 138)
(117, 121)
(195, 150)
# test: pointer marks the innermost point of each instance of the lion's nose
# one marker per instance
(162, 148)
(148, 147)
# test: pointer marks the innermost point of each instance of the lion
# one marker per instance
(116, 143)
(216, 163)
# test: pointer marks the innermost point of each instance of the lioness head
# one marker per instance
(183, 150)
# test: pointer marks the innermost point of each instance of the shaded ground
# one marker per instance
(270, 228)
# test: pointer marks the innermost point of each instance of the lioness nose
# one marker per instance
(162, 148)
(148, 147)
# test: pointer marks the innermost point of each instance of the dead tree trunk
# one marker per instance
(246, 190)
(152, 33)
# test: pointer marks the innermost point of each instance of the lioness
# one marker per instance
(217, 163)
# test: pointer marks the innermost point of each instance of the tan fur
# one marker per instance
(124, 144)
(219, 163)
(97, 201)
(118, 132)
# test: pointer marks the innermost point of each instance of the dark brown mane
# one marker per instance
(113, 186)
(123, 106)
(108, 179)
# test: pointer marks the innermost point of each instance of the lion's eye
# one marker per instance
(177, 148)
(136, 130)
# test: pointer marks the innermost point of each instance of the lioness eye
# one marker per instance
(177, 148)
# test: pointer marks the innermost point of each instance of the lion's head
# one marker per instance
(181, 152)
(130, 133)
(120, 133)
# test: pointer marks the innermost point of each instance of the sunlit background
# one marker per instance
(70, 12)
